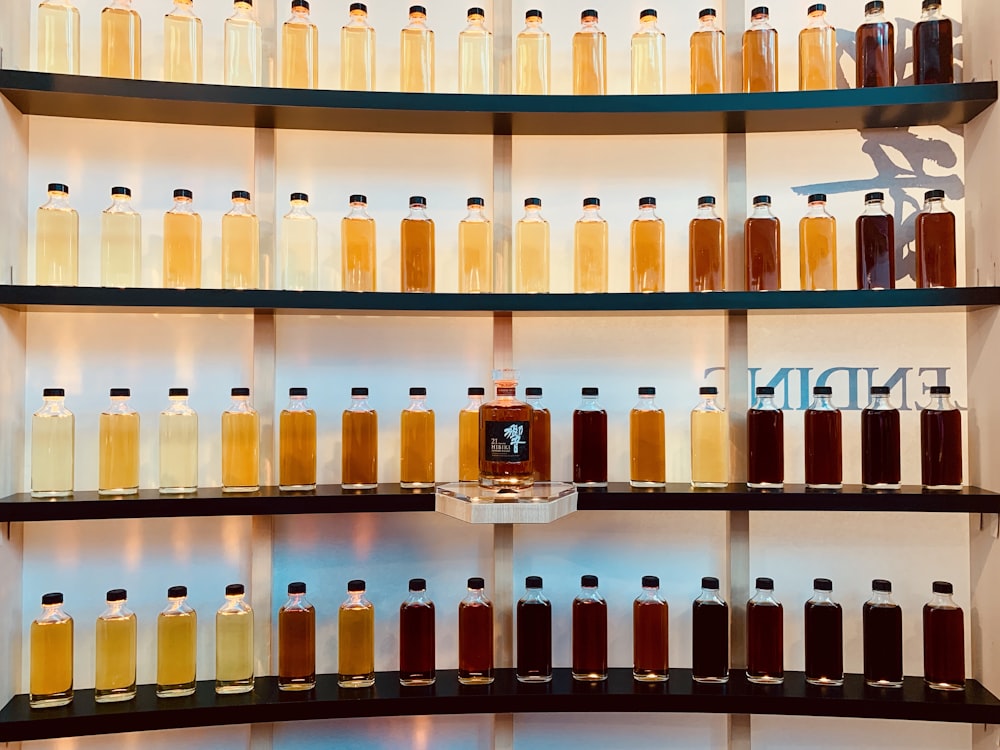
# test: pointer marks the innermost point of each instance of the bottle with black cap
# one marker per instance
(121, 241)
(240, 245)
(118, 451)
(475, 250)
(53, 434)
(416, 453)
(708, 55)
(176, 646)
(475, 636)
(417, 665)
(534, 56)
(57, 239)
(817, 52)
(182, 232)
(818, 246)
(240, 444)
(649, 53)
(762, 247)
(824, 442)
(876, 46)
(936, 264)
(941, 442)
(765, 443)
(707, 249)
(647, 441)
(590, 250)
(875, 237)
(531, 249)
(416, 54)
(765, 636)
(505, 426)
(468, 437)
(882, 636)
(760, 53)
(121, 40)
(417, 248)
(824, 636)
(880, 464)
(933, 42)
(51, 680)
(178, 445)
(299, 246)
(115, 650)
(710, 445)
(534, 634)
(944, 640)
(647, 248)
(650, 634)
(541, 435)
(357, 247)
(590, 441)
(590, 56)
(58, 37)
(590, 633)
(234, 661)
(182, 44)
(710, 635)
(356, 639)
(299, 49)
(297, 444)
(359, 458)
(357, 51)
(296, 641)
(475, 55)
(243, 46)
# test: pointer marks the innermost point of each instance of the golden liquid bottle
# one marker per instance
(707, 249)
(531, 253)
(417, 248)
(475, 55)
(178, 445)
(121, 241)
(240, 245)
(475, 250)
(299, 49)
(357, 248)
(818, 246)
(356, 639)
(53, 430)
(176, 646)
(468, 437)
(234, 662)
(649, 52)
(182, 244)
(182, 45)
(243, 47)
(297, 641)
(240, 444)
(299, 246)
(416, 456)
(590, 247)
(590, 57)
(115, 650)
(817, 52)
(533, 56)
(359, 459)
(416, 54)
(51, 680)
(119, 446)
(121, 41)
(357, 51)
(708, 55)
(58, 37)
(57, 240)
(297, 440)
(647, 243)
(760, 53)
(709, 442)
(647, 442)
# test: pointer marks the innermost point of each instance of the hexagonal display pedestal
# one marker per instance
(545, 502)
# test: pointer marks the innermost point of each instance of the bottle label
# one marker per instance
(506, 441)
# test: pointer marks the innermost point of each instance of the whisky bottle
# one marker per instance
(119, 446)
(234, 661)
(417, 248)
(182, 243)
(299, 49)
(709, 442)
(356, 639)
(297, 439)
(182, 45)
(416, 54)
(933, 53)
(533, 56)
(53, 430)
(475, 250)
(115, 650)
(650, 634)
(357, 51)
(936, 265)
(469, 448)
(875, 237)
(590, 633)
(240, 245)
(590, 57)
(541, 435)
(649, 51)
(58, 37)
(708, 55)
(531, 255)
(296, 641)
(475, 55)
(505, 429)
(240, 444)
(57, 240)
(243, 48)
(416, 465)
(121, 241)
(762, 247)
(50, 683)
(176, 646)
(359, 468)
(357, 247)
(475, 636)
(299, 246)
(590, 245)
(416, 637)
(760, 53)
(818, 246)
(121, 41)
(817, 52)
(707, 249)
(647, 240)
(876, 48)
(178, 445)
(647, 444)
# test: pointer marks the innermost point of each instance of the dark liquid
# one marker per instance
(416, 642)
(944, 646)
(710, 641)
(590, 639)
(880, 448)
(707, 262)
(534, 640)
(941, 448)
(475, 640)
(765, 447)
(876, 244)
(933, 58)
(876, 45)
(824, 625)
(509, 472)
(541, 445)
(765, 639)
(883, 643)
(936, 250)
(297, 646)
(762, 245)
(650, 639)
(590, 447)
(824, 447)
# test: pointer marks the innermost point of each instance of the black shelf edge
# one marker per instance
(620, 693)
(59, 95)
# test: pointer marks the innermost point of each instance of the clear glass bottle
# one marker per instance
(650, 634)
(416, 54)
(475, 636)
(240, 444)
(417, 248)
(648, 247)
(875, 236)
(121, 40)
(590, 441)
(296, 641)
(876, 48)
(416, 458)
(240, 245)
(119, 446)
(359, 266)
(707, 249)
(505, 427)
(818, 246)
(765, 443)
(710, 635)
(590, 633)
(182, 243)
(817, 52)
(936, 255)
(941, 442)
(649, 52)
(475, 250)
(299, 246)
(944, 640)
(708, 55)
(53, 435)
(299, 49)
(176, 646)
(58, 37)
(880, 459)
(357, 51)
(824, 442)
(760, 53)
(765, 636)
(647, 441)
(468, 437)
(182, 44)
(178, 445)
(534, 634)
(243, 47)
(234, 660)
(590, 249)
(541, 435)
(359, 428)
(51, 681)
(57, 240)
(824, 636)
(297, 440)
(590, 57)
(121, 241)
(115, 650)
(882, 629)
(762, 247)
(416, 637)
(532, 250)
(475, 55)
(933, 53)
(533, 56)
(710, 446)
(356, 639)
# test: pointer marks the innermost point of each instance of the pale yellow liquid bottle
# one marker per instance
(760, 54)
(121, 241)
(299, 49)
(818, 246)
(182, 45)
(121, 41)
(297, 440)
(416, 54)
(119, 446)
(416, 248)
(475, 56)
(182, 244)
(475, 250)
(356, 639)
(817, 52)
(240, 245)
(57, 240)
(468, 437)
(649, 52)
(359, 428)
(708, 56)
(647, 442)
(243, 47)
(647, 249)
(51, 680)
(176, 646)
(709, 442)
(416, 464)
(531, 254)
(53, 428)
(590, 57)
(115, 651)
(357, 51)
(58, 37)
(299, 246)
(590, 248)
(178, 445)
(533, 56)
(357, 248)
(240, 445)
(234, 662)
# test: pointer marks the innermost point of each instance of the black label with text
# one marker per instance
(506, 441)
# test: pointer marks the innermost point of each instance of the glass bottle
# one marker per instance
(121, 241)
(416, 54)
(590, 243)
(475, 55)
(416, 637)
(762, 247)
(468, 437)
(650, 633)
(240, 444)
(182, 45)
(178, 445)
(475, 636)
(824, 636)
(649, 52)
(534, 634)
(541, 435)
(51, 681)
(176, 646)
(817, 52)
(875, 236)
(357, 248)
(765, 442)
(115, 650)
(359, 427)
(53, 431)
(505, 429)
(876, 48)
(709, 442)
(765, 624)
(823, 442)
(933, 56)
(240, 245)
(119, 446)
(299, 246)
(880, 464)
(297, 641)
(941, 442)
(936, 265)
(417, 248)
(475, 250)
(121, 40)
(944, 639)
(416, 462)
(356, 639)
(534, 56)
(590, 633)
(818, 246)
(760, 53)
(182, 243)
(590, 442)
(590, 57)
(707, 249)
(58, 37)
(243, 47)
(647, 242)
(648, 443)
(882, 632)
(299, 49)
(234, 661)
(708, 55)
(357, 51)
(57, 240)
(532, 250)
(710, 635)
(297, 438)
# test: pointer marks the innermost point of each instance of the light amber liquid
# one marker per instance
(52, 446)
(57, 247)
(648, 448)
(300, 246)
(590, 63)
(590, 269)
(468, 446)
(534, 64)
(416, 61)
(233, 652)
(178, 452)
(707, 257)
(297, 648)
(182, 49)
(58, 39)
(532, 257)
(51, 663)
(298, 450)
(359, 461)
(243, 52)
(708, 62)
(648, 247)
(709, 448)
(115, 658)
(240, 252)
(417, 255)
(475, 63)
(760, 60)
(240, 451)
(416, 467)
(181, 251)
(119, 453)
(649, 74)
(176, 653)
(818, 253)
(299, 56)
(356, 646)
(357, 247)
(357, 59)
(121, 249)
(817, 59)
(475, 256)
(121, 43)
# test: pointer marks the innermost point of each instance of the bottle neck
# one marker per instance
(650, 594)
(589, 403)
(358, 211)
(534, 596)
(53, 613)
(418, 212)
(709, 403)
(356, 599)
(708, 23)
(935, 206)
(707, 211)
(875, 208)
(298, 403)
(241, 404)
(817, 20)
(358, 19)
(876, 15)
(177, 604)
(764, 596)
(588, 25)
(418, 22)
(647, 25)
(182, 206)
(417, 403)
(942, 601)
(710, 596)
(117, 609)
(762, 211)
(940, 403)
(120, 204)
(533, 213)
(241, 207)
(648, 213)
(297, 601)
(880, 403)
(476, 23)
(533, 26)
(591, 213)
(765, 403)
(535, 402)
(418, 597)
(760, 22)
(299, 15)
(822, 597)
(183, 8)
(360, 403)
(822, 403)
(476, 596)
(179, 405)
(121, 4)
(817, 210)
(931, 13)
(475, 402)
(883, 598)
(243, 9)
(58, 200)
(589, 594)
(120, 405)
(475, 214)
(300, 209)
(646, 403)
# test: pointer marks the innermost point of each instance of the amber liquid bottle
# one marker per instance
(708, 55)
(707, 249)
(297, 641)
(590, 57)
(941, 442)
(356, 639)
(710, 635)
(416, 637)
(880, 464)
(297, 428)
(240, 444)
(647, 244)
(762, 247)
(765, 636)
(882, 631)
(760, 53)
(876, 48)
(358, 264)
(475, 636)
(50, 683)
(817, 52)
(359, 458)
(875, 237)
(118, 455)
(765, 443)
(534, 634)
(416, 457)
(541, 436)
(590, 633)
(824, 636)
(936, 263)
(182, 243)
(505, 427)
(590, 442)
(417, 248)
(818, 247)
(469, 449)
(590, 250)
(944, 640)
(647, 442)
(933, 54)
(824, 442)
(650, 634)
(475, 249)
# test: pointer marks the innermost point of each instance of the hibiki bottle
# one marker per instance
(533, 56)
(650, 634)
(53, 431)
(121, 41)
(115, 650)
(590, 250)
(765, 442)
(707, 249)
(824, 636)
(356, 639)
(416, 457)
(240, 444)
(359, 466)
(534, 634)
(710, 635)
(182, 243)
(818, 246)
(649, 51)
(760, 53)
(765, 636)
(475, 250)
(357, 51)
(119, 446)
(297, 441)
(243, 49)
(710, 447)
(941, 442)
(505, 429)
(416, 252)
(817, 52)
(708, 55)
(176, 646)
(647, 441)
(178, 445)
(299, 49)
(416, 54)
(647, 241)
(590, 57)
(876, 48)
(234, 661)
(57, 240)
(933, 54)
(936, 265)
(50, 683)
(944, 640)
(299, 246)
(875, 236)
(590, 633)
(416, 637)
(880, 460)
(531, 250)
(182, 45)
(762, 247)
(296, 641)
(357, 247)
(58, 37)
(475, 636)
(475, 55)
(240, 245)
(121, 241)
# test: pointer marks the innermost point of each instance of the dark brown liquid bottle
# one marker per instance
(590, 633)
(590, 442)
(707, 249)
(941, 442)
(710, 635)
(475, 636)
(650, 634)
(824, 636)
(765, 636)
(541, 435)
(297, 641)
(936, 263)
(534, 634)
(944, 640)
(762, 247)
(875, 237)
(823, 442)
(765, 443)
(416, 637)
(880, 465)
(933, 54)
(882, 633)
(876, 48)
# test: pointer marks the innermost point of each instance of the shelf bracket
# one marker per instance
(995, 528)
